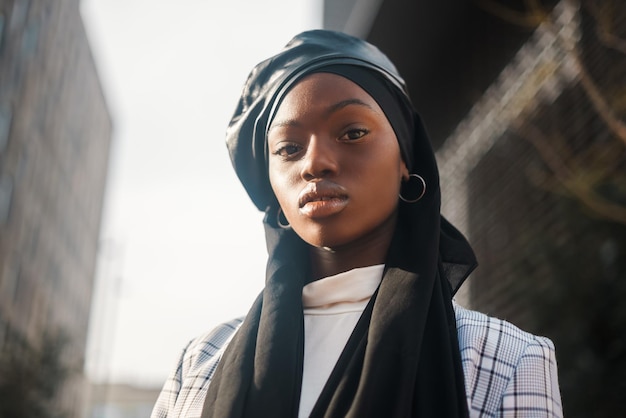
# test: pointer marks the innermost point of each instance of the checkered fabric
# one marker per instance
(508, 372)
(185, 389)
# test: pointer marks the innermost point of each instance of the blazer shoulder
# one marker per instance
(478, 331)
(498, 356)
(184, 390)
(205, 347)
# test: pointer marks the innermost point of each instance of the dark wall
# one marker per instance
(448, 51)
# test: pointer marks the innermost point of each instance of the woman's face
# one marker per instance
(334, 162)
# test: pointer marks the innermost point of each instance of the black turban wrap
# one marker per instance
(402, 359)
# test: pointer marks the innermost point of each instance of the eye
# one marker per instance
(287, 150)
(354, 134)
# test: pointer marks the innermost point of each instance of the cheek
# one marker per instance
(378, 183)
(390, 187)
(384, 191)
(390, 168)
(282, 184)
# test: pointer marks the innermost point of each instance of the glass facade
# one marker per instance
(55, 133)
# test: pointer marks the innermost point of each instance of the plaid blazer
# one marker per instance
(508, 372)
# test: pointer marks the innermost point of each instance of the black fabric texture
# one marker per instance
(402, 359)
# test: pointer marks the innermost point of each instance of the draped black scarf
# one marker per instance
(402, 359)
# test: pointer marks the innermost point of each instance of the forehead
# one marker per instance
(323, 91)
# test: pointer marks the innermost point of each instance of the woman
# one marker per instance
(357, 317)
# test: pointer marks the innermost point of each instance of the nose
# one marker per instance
(320, 160)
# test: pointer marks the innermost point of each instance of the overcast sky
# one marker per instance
(182, 246)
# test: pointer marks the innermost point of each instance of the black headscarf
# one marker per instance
(402, 360)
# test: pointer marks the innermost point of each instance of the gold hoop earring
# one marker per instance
(422, 187)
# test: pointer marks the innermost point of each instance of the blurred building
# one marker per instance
(122, 401)
(527, 110)
(55, 134)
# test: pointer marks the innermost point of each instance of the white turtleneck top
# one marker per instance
(332, 308)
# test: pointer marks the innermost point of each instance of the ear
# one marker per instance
(404, 171)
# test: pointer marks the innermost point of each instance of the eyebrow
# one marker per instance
(331, 109)
(345, 103)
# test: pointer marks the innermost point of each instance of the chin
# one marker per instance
(318, 238)
(327, 241)
(322, 243)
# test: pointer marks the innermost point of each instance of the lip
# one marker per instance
(322, 199)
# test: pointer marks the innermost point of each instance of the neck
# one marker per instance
(366, 251)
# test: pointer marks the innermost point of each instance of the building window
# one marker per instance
(19, 13)
(1, 30)
(5, 125)
(6, 193)
(30, 39)
(8, 280)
